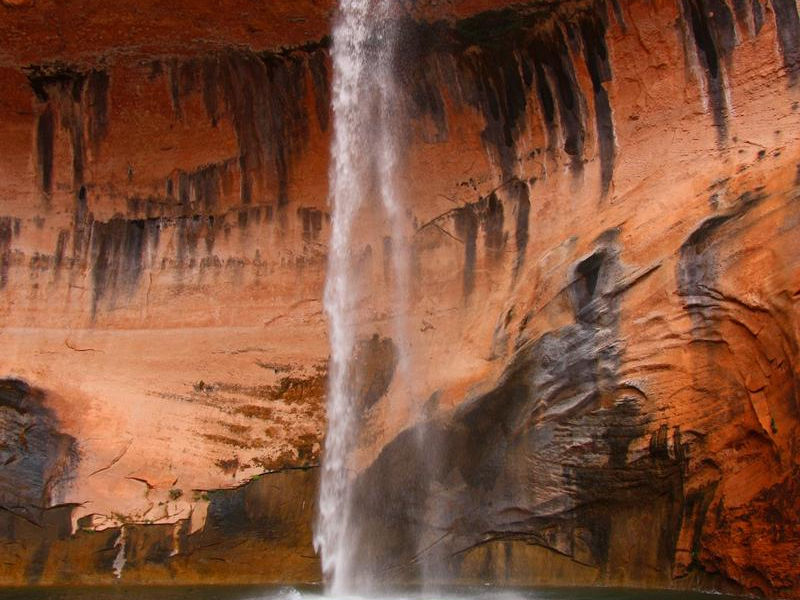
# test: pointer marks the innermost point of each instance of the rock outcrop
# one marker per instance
(603, 318)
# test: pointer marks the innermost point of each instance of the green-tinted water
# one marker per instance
(287, 593)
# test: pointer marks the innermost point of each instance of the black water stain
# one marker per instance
(588, 274)
(703, 257)
(518, 191)
(595, 52)
(558, 419)
(711, 28)
(148, 544)
(741, 10)
(6, 235)
(61, 87)
(265, 96)
(320, 77)
(558, 67)
(210, 75)
(496, 89)
(547, 103)
(311, 219)
(189, 230)
(619, 16)
(466, 223)
(52, 80)
(486, 215)
(45, 132)
(698, 266)
(373, 369)
(174, 76)
(61, 248)
(491, 218)
(722, 26)
(82, 220)
(758, 16)
(492, 62)
(71, 97)
(118, 249)
(97, 86)
(788, 26)
(202, 188)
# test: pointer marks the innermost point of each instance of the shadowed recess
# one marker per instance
(33, 450)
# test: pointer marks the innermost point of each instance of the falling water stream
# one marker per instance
(364, 157)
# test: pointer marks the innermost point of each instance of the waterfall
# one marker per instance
(364, 162)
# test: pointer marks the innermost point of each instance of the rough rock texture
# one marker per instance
(260, 531)
(603, 320)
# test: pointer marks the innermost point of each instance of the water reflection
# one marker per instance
(120, 592)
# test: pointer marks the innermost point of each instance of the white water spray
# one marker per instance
(119, 560)
(364, 157)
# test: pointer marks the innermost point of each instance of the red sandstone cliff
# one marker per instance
(604, 314)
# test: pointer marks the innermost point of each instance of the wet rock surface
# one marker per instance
(603, 316)
(260, 530)
(37, 458)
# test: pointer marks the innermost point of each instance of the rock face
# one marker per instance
(604, 310)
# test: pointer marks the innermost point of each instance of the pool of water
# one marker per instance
(289, 593)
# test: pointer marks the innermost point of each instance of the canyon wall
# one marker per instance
(603, 317)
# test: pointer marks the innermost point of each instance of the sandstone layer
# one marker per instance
(603, 320)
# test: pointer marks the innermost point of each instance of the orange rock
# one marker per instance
(603, 316)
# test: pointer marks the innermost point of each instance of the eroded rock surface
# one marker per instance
(603, 316)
